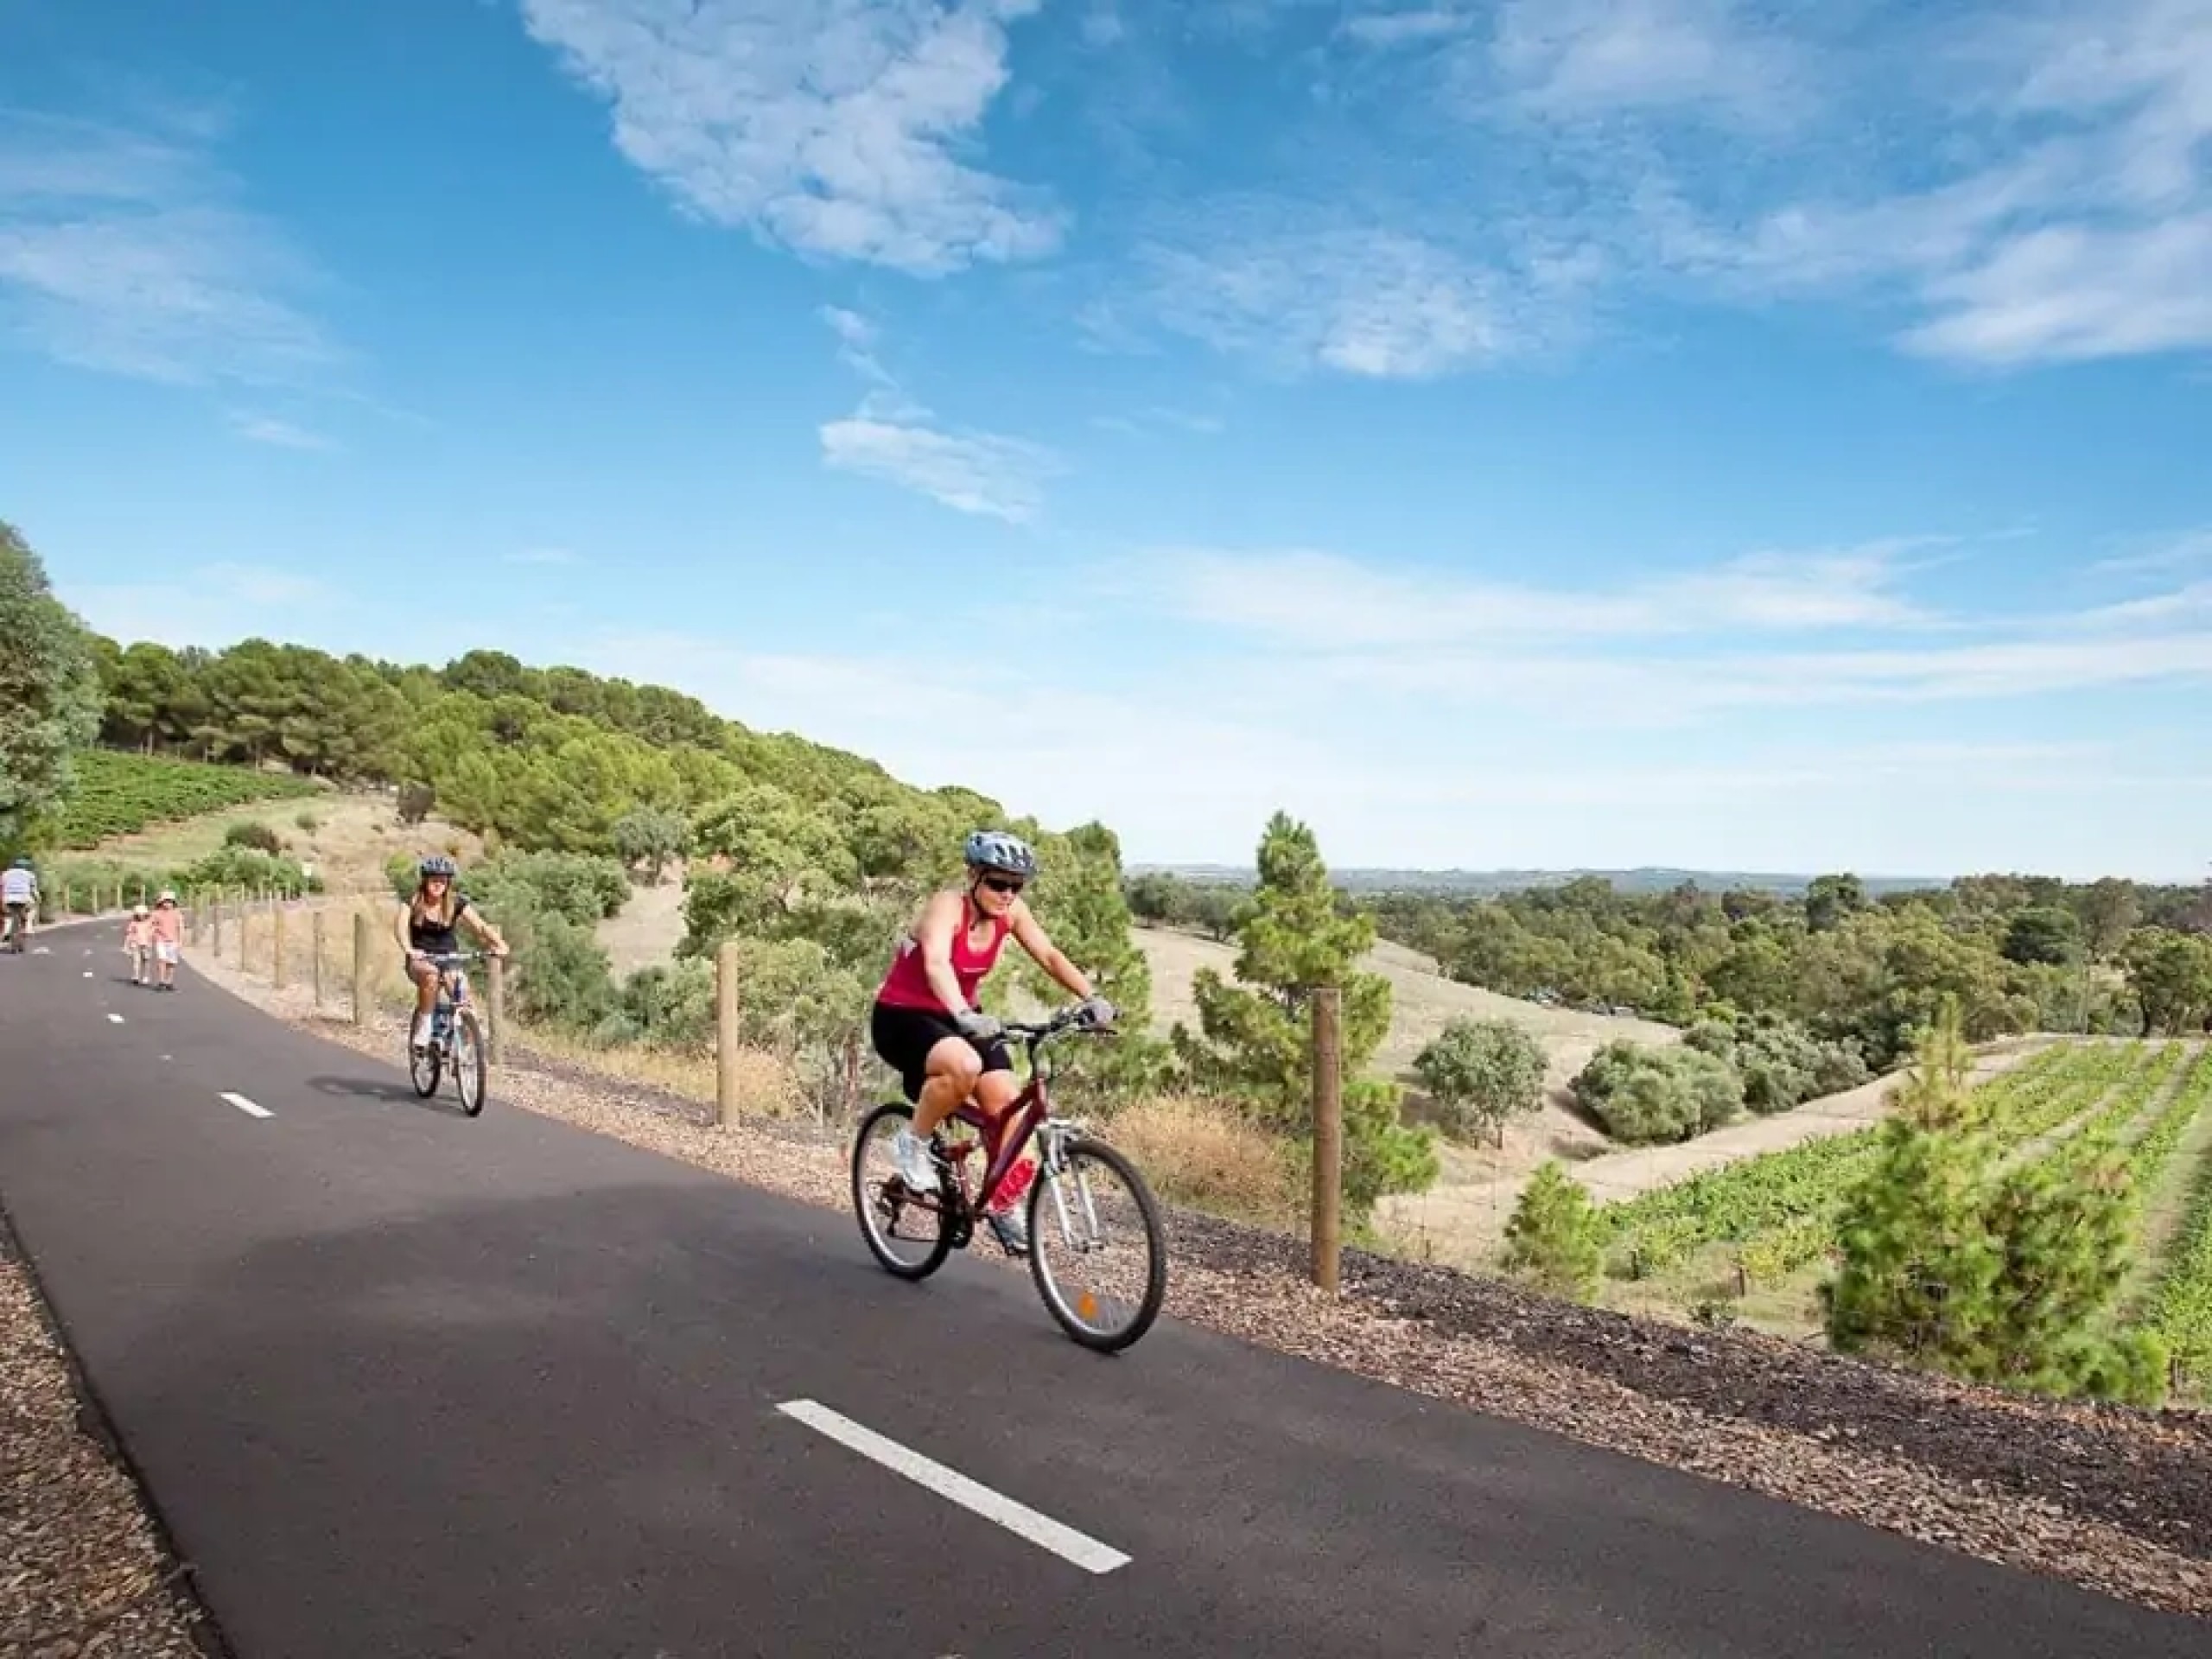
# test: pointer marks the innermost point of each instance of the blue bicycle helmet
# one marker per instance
(995, 850)
(437, 864)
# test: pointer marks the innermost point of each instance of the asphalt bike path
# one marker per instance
(402, 1382)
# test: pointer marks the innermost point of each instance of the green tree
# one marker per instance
(1483, 1073)
(1553, 1238)
(1254, 1041)
(49, 692)
(650, 837)
(2170, 974)
(2007, 1276)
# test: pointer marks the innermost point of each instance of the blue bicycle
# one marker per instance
(455, 1038)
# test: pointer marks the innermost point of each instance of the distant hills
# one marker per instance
(1647, 879)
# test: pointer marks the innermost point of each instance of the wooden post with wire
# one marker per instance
(1328, 1133)
(360, 967)
(726, 1031)
(315, 938)
(496, 987)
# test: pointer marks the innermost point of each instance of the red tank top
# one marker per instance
(906, 986)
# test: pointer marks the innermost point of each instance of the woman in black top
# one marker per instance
(428, 924)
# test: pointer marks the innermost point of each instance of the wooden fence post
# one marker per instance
(315, 933)
(360, 967)
(275, 945)
(726, 1031)
(215, 925)
(1328, 1134)
(497, 987)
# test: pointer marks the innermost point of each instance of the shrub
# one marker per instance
(1647, 1096)
(234, 866)
(259, 836)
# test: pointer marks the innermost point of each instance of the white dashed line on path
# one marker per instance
(247, 1106)
(1018, 1518)
(88, 973)
(115, 1019)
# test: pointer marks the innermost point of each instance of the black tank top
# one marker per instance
(424, 933)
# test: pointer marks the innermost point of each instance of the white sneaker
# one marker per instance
(912, 1158)
(420, 1038)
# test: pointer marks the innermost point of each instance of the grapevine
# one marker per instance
(119, 794)
(2180, 1305)
(1781, 1205)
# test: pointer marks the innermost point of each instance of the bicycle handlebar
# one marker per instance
(1037, 1032)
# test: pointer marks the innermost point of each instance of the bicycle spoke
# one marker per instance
(1096, 1249)
(903, 1222)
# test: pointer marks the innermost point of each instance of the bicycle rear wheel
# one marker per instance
(468, 1062)
(425, 1065)
(883, 1202)
(1098, 1208)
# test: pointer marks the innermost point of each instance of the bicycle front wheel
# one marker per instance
(1099, 1214)
(468, 1063)
(906, 1231)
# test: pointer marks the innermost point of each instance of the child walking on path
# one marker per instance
(139, 943)
(168, 924)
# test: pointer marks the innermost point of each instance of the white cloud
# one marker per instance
(2079, 225)
(978, 472)
(262, 428)
(890, 436)
(2176, 553)
(1374, 303)
(1384, 29)
(834, 126)
(129, 255)
(1305, 597)
(1673, 651)
(1569, 58)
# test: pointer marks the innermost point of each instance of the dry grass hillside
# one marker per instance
(352, 837)
(1422, 1002)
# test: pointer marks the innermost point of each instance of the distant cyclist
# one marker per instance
(427, 925)
(926, 1024)
(19, 897)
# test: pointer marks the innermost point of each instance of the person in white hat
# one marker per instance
(167, 922)
(139, 942)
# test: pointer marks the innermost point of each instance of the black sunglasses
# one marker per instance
(1004, 883)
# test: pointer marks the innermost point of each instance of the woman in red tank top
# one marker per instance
(926, 1024)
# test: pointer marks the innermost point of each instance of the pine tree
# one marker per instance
(1552, 1239)
(1254, 1043)
(2008, 1278)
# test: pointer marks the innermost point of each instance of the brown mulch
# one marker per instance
(82, 1570)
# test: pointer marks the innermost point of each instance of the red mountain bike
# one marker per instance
(1103, 1230)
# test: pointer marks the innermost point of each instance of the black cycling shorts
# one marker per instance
(904, 1037)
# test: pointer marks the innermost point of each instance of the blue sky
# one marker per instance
(1540, 432)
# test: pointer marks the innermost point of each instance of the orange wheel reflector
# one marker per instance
(1087, 1305)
